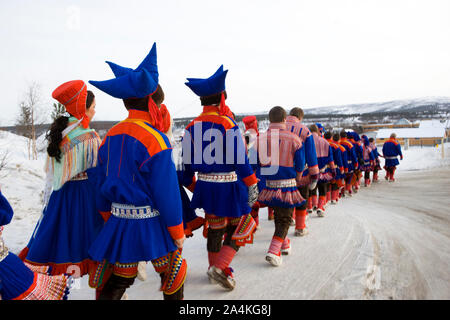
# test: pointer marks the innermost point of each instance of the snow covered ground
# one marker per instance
(389, 241)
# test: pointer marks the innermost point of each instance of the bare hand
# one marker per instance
(179, 242)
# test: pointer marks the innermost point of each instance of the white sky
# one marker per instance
(290, 53)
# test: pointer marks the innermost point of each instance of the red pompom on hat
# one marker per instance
(250, 122)
(72, 95)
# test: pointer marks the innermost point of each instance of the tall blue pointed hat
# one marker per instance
(209, 86)
(132, 83)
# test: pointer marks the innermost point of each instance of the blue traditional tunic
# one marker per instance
(352, 160)
(311, 170)
(137, 180)
(213, 147)
(391, 150)
(338, 160)
(324, 158)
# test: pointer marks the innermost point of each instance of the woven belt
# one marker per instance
(218, 177)
(283, 183)
(125, 211)
(80, 176)
(391, 158)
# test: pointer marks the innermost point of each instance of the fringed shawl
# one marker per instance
(79, 152)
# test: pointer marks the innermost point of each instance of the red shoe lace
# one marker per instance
(228, 272)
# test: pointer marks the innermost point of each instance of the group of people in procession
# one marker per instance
(111, 206)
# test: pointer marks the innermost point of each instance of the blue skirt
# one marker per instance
(132, 240)
(68, 227)
(391, 162)
(15, 277)
(227, 199)
(18, 282)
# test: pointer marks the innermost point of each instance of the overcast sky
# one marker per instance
(288, 53)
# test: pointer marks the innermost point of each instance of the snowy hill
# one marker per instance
(434, 105)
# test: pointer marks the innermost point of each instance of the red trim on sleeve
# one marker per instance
(250, 180)
(176, 232)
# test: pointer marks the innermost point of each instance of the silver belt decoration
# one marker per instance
(221, 177)
(283, 183)
(324, 168)
(80, 176)
(391, 158)
(126, 211)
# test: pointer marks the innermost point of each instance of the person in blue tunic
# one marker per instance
(17, 280)
(377, 165)
(226, 187)
(369, 160)
(391, 150)
(352, 161)
(336, 183)
(70, 221)
(139, 188)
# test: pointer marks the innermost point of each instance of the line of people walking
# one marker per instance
(111, 206)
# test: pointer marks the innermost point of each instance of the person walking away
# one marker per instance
(226, 187)
(391, 150)
(70, 221)
(310, 174)
(282, 159)
(140, 194)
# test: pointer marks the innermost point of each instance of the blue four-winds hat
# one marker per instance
(132, 83)
(209, 86)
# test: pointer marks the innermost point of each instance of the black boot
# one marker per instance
(115, 287)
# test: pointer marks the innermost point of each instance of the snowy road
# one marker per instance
(391, 241)
(388, 241)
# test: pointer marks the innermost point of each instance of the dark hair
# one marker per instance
(158, 95)
(212, 99)
(314, 128)
(141, 104)
(371, 140)
(277, 114)
(89, 99)
(136, 103)
(343, 134)
(297, 112)
(327, 135)
(54, 135)
(336, 137)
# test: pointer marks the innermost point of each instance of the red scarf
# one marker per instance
(156, 117)
(224, 110)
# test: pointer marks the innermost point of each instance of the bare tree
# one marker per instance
(30, 115)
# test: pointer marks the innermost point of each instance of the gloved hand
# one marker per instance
(313, 183)
(253, 194)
